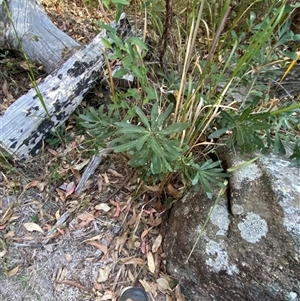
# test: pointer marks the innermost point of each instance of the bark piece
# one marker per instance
(28, 121)
(92, 166)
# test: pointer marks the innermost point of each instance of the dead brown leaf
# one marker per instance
(57, 215)
(86, 218)
(13, 271)
(175, 193)
(133, 242)
(169, 298)
(132, 260)
(80, 165)
(10, 234)
(105, 177)
(61, 194)
(13, 218)
(99, 236)
(120, 241)
(76, 174)
(151, 264)
(52, 236)
(33, 227)
(146, 285)
(76, 284)
(3, 253)
(118, 208)
(153, 188)
(154, 221)
(144, 233)
(70, 188)
(163, 285)
(134, 217)
(143, 246)
(115, 173)
(157, 260)
(36, 183)
(52, 152)
(179, 296)
(103, 206)
(6, 216)
(157, 243)
(8, 95)
(98, 245)
(103, 273)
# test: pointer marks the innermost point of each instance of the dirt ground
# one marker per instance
(78, 247)
(58, 245)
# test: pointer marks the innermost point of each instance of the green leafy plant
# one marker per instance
(150, 143)
(160, 132)
(296, 154)
(54, 174)
(5, 59)
(119, 4)
(149, 140)
(57, 136)
(245, 130)
(99, 124)
(251, 125)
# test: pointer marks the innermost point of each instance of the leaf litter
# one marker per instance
(57, 244)
(86, 246)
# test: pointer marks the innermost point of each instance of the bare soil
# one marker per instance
(109, 240)
(58, 245)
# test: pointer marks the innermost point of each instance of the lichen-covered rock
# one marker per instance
(250, 248)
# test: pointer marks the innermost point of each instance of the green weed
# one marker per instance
(160, 131)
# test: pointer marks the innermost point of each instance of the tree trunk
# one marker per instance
(28, 121)
(40, 39)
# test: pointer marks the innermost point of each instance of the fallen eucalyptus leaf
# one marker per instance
(33, 227)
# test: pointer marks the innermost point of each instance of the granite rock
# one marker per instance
(250, 248)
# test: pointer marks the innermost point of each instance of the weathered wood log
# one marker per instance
(29, 119)
(41, 40)
(90, 169)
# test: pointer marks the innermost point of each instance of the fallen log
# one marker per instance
(24, 26)
(28, 121)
